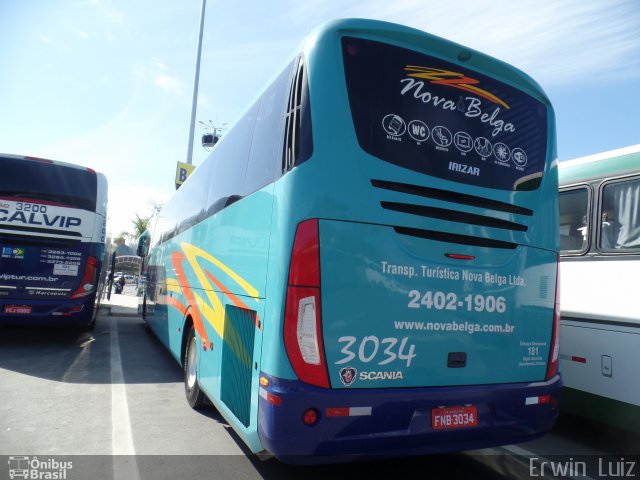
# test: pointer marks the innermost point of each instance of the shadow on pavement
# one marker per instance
(67, 355)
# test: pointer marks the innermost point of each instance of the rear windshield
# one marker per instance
(33, 180)
(437, 118)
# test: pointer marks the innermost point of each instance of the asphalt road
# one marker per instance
(112, 403)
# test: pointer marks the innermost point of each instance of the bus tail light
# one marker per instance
(554, 354)
(88, 279)
(303, 316)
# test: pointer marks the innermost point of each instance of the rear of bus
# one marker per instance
(52, 233)
(420, 305)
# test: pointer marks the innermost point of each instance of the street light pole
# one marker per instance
(194, 103)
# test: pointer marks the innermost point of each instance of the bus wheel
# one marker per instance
(195, 397)
(144, 307)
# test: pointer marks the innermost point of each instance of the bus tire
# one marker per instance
(195, 397)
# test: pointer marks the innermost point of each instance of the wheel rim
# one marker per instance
(191, 364)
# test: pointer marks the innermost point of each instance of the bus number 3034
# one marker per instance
(371, 348)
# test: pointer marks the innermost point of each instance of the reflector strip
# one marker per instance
(262, 392)
(348, 411)
(573, 358)
(274, 399)
(359, 411)
(542, 399)
(66, 313)
(269, 397)
(337, 412)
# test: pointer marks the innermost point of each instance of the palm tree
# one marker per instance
(140, 225)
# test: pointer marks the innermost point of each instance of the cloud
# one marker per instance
(113, 20)
(559, 41)
(169, 84)
(160, 65)
(44, 38)
(562, 42)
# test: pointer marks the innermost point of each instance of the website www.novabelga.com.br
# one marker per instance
(469, 327)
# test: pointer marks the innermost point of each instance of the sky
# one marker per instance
(108, 84)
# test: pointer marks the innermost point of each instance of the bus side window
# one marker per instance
(620, 229)
(228, 161)
(268, 136)
(574, 225)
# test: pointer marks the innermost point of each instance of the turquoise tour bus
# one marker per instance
(599, 258)
(366, 264)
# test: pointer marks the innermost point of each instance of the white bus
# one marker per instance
(600, 286)
(52, 241)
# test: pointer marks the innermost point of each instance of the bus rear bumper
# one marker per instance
(370, 424)
(36, 313)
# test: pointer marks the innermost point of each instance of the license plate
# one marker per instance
(447, 418)
(17, 310)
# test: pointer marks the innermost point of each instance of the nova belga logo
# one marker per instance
(438, 76)
(419, 79)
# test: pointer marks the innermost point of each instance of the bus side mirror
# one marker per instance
(143, 244)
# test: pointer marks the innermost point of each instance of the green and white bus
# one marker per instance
(600, 258)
